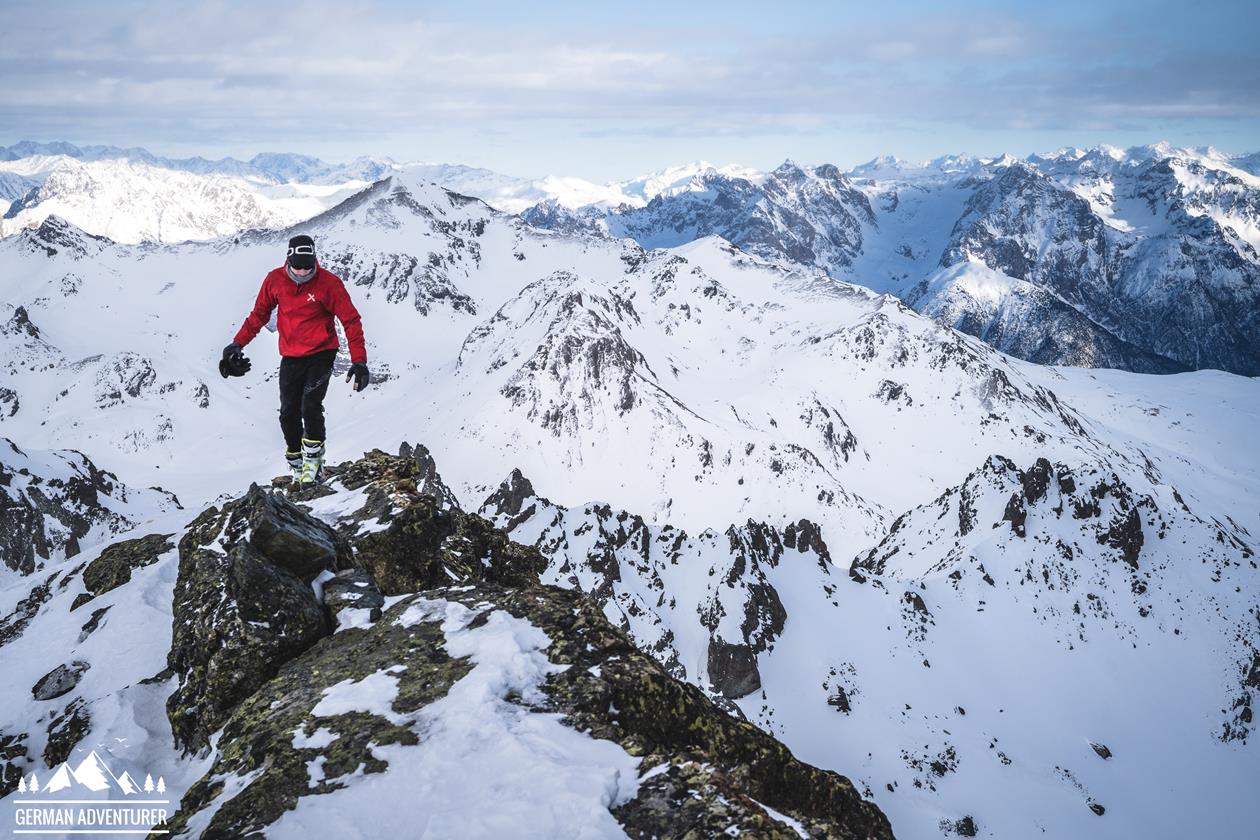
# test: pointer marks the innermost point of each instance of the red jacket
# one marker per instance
(306, 314)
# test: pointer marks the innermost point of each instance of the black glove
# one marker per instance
(359, 371)
(233, 362)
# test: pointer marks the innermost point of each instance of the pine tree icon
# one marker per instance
(161, 788)
(34, 786)
(148, 783)
(22, 784)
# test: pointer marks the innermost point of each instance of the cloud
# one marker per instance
(356, 68)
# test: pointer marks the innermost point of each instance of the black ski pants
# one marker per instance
(303, 384)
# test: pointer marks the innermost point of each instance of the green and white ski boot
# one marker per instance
(312, 463)
(294, 460)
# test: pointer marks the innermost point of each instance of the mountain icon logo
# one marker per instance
(92, 773)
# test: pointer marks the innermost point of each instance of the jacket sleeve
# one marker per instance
(341, 306)
(258, 317)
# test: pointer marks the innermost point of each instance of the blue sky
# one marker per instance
(607, 91)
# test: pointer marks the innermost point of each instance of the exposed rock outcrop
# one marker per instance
(243, 605)
(115, 564)
(284, 741)
(719, 768)
(13, 761)
(59, 680)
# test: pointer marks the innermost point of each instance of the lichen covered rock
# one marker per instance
(243, 605)
(261, 735)
(115, 564)
(353, 590)
(409, 540)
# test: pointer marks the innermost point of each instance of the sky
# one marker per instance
(608, 91)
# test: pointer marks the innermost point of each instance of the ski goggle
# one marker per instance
(302, 249)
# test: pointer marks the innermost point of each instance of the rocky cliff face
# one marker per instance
(813, 215)
(1184, 293)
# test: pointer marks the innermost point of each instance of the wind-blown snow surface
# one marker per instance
(699, 387)
(486, 767)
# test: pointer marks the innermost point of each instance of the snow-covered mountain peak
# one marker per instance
(789, 168)
(950, 164)
(1004, 161)
(57, 235)
(674, 179)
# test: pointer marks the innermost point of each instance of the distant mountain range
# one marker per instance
(26, 166)
(1144, 259)
(275, 168)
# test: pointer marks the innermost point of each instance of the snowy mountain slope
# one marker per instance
(694, 388)
(1143, 243)
(1026, 320)
(57, 503)
(508, 192)
(813, 217)
(514, 194)
(1186, 294)
(1161, 270)
(106, 650)
(609, 360)
(974, 670)
(1145, 259)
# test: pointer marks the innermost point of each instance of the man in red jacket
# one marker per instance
(307, 297)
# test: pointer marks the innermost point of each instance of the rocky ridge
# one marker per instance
(258, 651)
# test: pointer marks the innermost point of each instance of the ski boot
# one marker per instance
(312, 463)
(294, 460)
